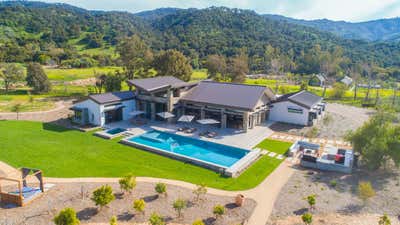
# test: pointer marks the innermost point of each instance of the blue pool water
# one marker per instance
(115, 131)
(222, 155)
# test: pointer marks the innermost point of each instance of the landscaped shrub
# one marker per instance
(333, 183)
(218, 211)
(113, 220)
(103, 196)
(200, 190)
(307, 218)
(365, 191)
(139, 205)
(198, 222)
(384, 220)
(127, 183)
(156, 219)
(66, 216)
(311, 200)
(161, 189)
(179, 205)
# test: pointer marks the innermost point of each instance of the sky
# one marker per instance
(347, 10)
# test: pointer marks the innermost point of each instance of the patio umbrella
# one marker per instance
(136, 113)
(208, 121)
(165, 115)
(186, 118)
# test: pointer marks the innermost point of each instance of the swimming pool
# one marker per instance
(115, 131)
(209, 154)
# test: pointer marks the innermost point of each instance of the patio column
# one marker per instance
(169, 101)
(223, 119)
(245, 121)
(202, 113)
(153, 110)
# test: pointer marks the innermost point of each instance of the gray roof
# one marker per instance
(112, 97)
(347, 80)
(227, 94)
(321, 77)
(155, 83)
(302, 98)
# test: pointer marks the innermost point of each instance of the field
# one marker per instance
(76, 74)
(61, 152)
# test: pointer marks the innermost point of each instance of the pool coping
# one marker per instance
(105, 135)
(233, 171)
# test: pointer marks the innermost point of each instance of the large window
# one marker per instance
(295, 110)
(78, 115)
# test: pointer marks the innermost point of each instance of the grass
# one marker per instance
(278, 147)
(60, 152)
(76, 74)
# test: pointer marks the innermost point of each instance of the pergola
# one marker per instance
(24, 193)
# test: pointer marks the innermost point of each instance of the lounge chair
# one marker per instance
(212, 134)
(182, 128)
(190, 130)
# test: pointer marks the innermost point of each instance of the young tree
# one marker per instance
(127, 183)
(356, 76)
(113, 220)
(173, 63)
(339, 89)
(367, 72)
(365, 191)
(37, 78)
(66, 216)
(161, 189)
(238, 68)
(179, 205)
(198, 222)
(103, 196)
(304, 85)
(156, 219)
(135, 55)
(100, 81)
(276, 69)
(307, 218)
(218, 211)
(17, 109)
(11, 73)
(200, 190)
(139, 205)
(216, 67)
(112, 82)
(384, 220)
(311, 200)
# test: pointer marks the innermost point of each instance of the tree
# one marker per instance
(127, 183)
(139, 205)
(218, 211)
(103, 196)
(135, 55)
(384, 220)
(179, 205)
(216, 67)
(200, 190)
(112, 82)
(17, 109)
(276, 69)
(37, 78)
(311, 200)
(113, 220)
(304, 85)
(11, 73)
(66, 216)
(307, 218)
(161, 189)
(238, 68)
(356, 76)
(100, 81)
(367, 72)
(365, 191)
(339, 89)
(198, 222)
(156, 219)
(173, 63)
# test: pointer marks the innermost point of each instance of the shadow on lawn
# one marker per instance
(54, 127)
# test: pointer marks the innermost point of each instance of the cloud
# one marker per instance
(349, 10)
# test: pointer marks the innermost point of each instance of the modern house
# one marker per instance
(317, 80)
(237, 106)
(300, 108)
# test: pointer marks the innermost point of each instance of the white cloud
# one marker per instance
(349, 10)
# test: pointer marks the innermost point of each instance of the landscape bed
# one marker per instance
(221, 158)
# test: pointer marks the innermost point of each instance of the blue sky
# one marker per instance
(348, 10)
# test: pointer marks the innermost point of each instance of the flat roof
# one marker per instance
(110, 97)
(156, 83)
(302, 98)
(228, 94)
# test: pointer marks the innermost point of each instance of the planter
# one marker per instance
(239, 200)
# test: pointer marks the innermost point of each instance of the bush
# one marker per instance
(333, 183)
(161, 188)
(339, 89)
(113, 220)
(156, 219)
(307, 218)
(312, 133)
(201, 189)
(365, 191)
(127, 183)
(218, 210)
(198, 222)
(179, 205)
(311, 200)
(103, 196)
(384, 220)
(139, 205)
(66, 216)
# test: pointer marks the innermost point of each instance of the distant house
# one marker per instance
(300, 108)
(373, 86)
(317, 80)
(347, 80)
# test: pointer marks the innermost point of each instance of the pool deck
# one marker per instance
(232, 137)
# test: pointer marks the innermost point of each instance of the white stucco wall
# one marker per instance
(129, 107)
(94, 111)
(279, 113)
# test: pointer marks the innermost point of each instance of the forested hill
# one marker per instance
(34, 31)
(376, 30)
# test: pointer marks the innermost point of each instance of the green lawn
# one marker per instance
(275, 146)
(68, 153)
(75, 74)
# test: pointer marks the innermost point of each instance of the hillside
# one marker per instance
(34, 31)
(376, 30)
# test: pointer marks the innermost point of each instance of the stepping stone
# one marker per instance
(280, 157)
(272, 154)
(264, 152)
(258, 149)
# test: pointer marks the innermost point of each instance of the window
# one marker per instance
(295, 110)
(78, 116)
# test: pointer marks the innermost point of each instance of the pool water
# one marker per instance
(115, 131)
(221, 155)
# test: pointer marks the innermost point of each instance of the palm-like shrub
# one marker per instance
(307, 218)
(127, 183)
(139, 205)
(156, 219)
(311, 200)
(218, 211)
(66, 216)
(384, 220)
(179, 205)
(161, 189)
(113, 220)
(365, 191)
(103, 196)
(198, 222)
(200, 190)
